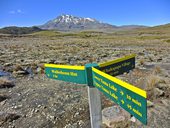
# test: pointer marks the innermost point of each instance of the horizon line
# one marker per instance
(120, 25)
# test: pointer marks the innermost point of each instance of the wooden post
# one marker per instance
(94, 99)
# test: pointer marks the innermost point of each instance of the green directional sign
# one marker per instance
(129, 97)
(118, 66)
(75, 74)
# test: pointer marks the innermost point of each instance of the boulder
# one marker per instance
(114, 117)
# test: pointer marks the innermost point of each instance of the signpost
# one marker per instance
(94, 98)
(129, 97)
(100, 77)
(118, 66)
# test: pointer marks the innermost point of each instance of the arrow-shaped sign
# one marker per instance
(129, 97)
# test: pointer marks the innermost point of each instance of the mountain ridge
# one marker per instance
(69, 22)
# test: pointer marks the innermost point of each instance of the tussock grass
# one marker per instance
(152, 81)
(157, 70)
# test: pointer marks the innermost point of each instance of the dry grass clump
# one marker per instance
(157, 70)
(18, 67)
(6, 83)
(152, 81)
(152, 84)
(138, 73)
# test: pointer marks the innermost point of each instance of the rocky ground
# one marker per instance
(31, 100)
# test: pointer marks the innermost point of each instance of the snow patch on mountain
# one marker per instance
(70, 22)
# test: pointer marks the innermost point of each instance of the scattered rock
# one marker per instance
(133, 119)
(150, 104)
(8, 117)
(6, 83)
(3, 97)
(3, 102)
(2, 74)
(165, 102)
(59, 62)
(52, 117)
(7, 64)
(158, 92)
(141, 53)
(159, 59)
(149, 66)
(74, 125)
(21, 72)
(39, 70)
(162, 86)
(81, 123)
(68, 126)
(76, 114)
(115, 117)
(46, 61)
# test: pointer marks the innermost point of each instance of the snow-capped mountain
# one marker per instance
(72, 19)
(69, 22)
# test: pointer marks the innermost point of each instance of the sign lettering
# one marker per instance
(118, 66)
(75, 74)
(129, 97)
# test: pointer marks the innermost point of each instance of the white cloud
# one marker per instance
(18, 11)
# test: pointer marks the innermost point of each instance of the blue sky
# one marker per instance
(116, 12)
